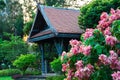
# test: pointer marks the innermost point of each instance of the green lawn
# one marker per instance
(6, 78)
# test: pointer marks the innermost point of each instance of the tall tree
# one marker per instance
(56, 3)
(11, 18)
(2, 4)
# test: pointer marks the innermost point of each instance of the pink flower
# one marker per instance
(79, 74)
(112, 11)
(118, 65)
(113, 54)
(62, 56)
(103, 24)
(110, 40)
(64, 67)
(118, 13)
(74, 42)
(70, 75)
(84, 72)
(87, 50)
(69, 54)
(104, 15)
(79, 64)
(113, 17)
(90, 67)
(63, 53)
(81, 47)
(107, 31)
(116, 75)
(103, 58)
(75, 50)
(88, 33)
(118, 51)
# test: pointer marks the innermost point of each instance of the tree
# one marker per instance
(11, 18)
(10, 48)
(24, 61)
(2, 4)
(56, 3)
(89, 14)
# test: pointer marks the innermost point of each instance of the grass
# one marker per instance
(6, 78)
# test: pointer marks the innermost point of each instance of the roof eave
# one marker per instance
(69, 35)
(39, 38)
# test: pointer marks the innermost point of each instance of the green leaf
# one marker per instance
(119, 27)
(116, 26)
(118, 45)
(90, 41)
(117, 35)
(98, 48)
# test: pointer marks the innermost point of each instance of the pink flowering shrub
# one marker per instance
(96, 56)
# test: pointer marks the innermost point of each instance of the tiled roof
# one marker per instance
(60, 21)
(45, 32)
(63, 20)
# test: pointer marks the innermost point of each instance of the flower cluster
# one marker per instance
(78, 47)
(116, 75)
(85, 60)
(111, 60)
(83, 72)
(88, 33)
(105, 25)
(106, 20)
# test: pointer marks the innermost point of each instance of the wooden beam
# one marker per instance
(59, 45)
(68, 35)
(41, 46)
(41, 38)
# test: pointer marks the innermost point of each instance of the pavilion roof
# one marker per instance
(58, 20)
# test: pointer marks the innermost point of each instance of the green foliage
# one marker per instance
(32, 72)
(24, 61)
(2, 4)
(56, 3)
(9, 72)
(90, 14)
(55, 77)
(6, 78)
(27, 27)
(116, 29)
(10, 48)
(56, 65)
(11, 17)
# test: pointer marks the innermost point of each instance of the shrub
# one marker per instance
(56, 65)
(6, 78)
(24, 61)
(90, 14)
(32, 72)
(9, 72)
(55, 77)
(97, 55)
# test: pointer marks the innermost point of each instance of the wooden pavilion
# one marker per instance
(55, 26)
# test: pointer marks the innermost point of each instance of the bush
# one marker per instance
(90, 14)
(24, 61)
(6, 78)
(32, 72)
(9, 72)
(97, 55)
(55, 77)
(56, 65)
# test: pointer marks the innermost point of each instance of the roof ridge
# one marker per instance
(62, 8)
(41, 8)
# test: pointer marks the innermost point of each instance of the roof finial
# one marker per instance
(37, 2)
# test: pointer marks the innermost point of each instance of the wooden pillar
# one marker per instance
(66, 44)
(59, 45)
(41, 46)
